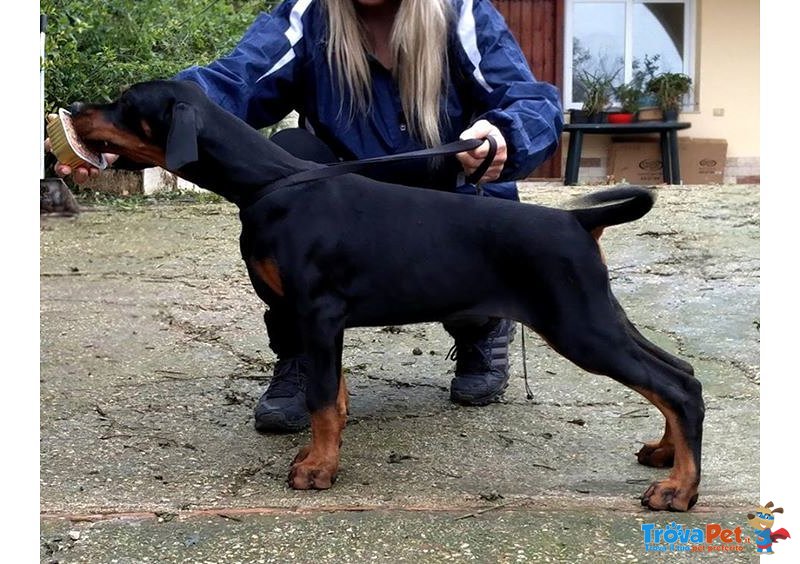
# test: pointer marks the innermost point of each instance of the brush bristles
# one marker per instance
(63, 149)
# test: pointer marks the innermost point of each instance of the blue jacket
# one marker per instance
(281, 65)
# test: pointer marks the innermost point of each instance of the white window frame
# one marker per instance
(689, 42)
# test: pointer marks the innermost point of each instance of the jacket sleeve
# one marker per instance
(257, 80)
(526, 111)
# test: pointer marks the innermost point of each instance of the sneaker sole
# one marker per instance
(480, 401)
(276, 422)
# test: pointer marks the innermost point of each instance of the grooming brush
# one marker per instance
(67, 146)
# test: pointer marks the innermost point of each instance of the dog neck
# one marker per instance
(236, 161)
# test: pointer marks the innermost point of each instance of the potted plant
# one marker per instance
(643, 72)
(670, 88)
(597, 89)
(628, 96)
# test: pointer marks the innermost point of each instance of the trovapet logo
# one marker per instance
(713, 537)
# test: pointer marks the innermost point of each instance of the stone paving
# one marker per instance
(153, 353)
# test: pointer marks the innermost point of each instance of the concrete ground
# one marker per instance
(153, 353)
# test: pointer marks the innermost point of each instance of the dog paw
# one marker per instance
(309, 477)
(669, 495)
(311, 473)
(656, 455)
(301, 454)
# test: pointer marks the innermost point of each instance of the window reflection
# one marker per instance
(657, 33)
(658, 30)
(598, 43)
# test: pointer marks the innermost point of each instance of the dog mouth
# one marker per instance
(104, 135)
(108, 129)
(100, 146)
(89, 126)
(98, 133)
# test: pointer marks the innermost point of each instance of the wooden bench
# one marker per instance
(668, 130)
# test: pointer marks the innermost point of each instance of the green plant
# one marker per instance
(628, 96)
(644, 71)
(96, 47)
(598, 88)
(89, 197)
(670, 88)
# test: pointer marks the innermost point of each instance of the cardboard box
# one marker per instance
(639, 161)
(702, 160)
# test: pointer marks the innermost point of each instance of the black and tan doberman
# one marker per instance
(349, 251)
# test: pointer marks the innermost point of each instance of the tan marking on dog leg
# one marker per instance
(267, 270)
(679, 490)
(597, 232)
(343, 399)
(320, 460)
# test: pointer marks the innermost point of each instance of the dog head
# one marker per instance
(764, 517)
(151, 123)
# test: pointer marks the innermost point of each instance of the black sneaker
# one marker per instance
(481, 363)
(282, 408)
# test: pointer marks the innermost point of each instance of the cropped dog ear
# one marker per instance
(182, 138)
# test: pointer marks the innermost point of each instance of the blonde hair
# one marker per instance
(418, 47)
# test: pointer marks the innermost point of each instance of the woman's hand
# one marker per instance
(471, 160)
(82, 173)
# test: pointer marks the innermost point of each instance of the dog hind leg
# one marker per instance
(600, 342)
(647, 345)
(658, 454)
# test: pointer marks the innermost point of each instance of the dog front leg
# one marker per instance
(316, 465)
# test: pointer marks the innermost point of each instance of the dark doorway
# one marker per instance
(538, 26)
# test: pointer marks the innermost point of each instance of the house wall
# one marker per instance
(727, 70)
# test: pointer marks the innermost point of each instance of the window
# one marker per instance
(619, 38)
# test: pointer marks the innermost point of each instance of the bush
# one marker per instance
(95, 47)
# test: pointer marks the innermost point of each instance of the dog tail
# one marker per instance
(622, 205)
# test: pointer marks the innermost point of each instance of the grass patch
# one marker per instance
(136, 201)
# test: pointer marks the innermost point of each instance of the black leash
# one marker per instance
(528, 392)
(347, 167)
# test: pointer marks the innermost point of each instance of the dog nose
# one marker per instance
(76, 107)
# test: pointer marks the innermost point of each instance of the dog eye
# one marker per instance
(131, 117)
(126, 110)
